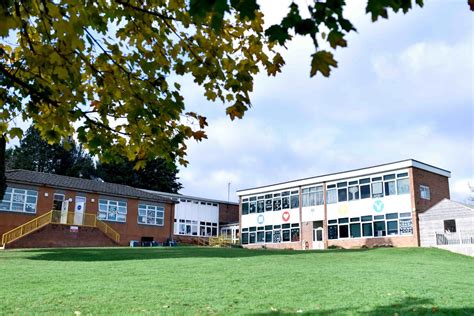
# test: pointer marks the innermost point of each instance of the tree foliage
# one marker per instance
(110, 71)
(158, 174)
(66, 158)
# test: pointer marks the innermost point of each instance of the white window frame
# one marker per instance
(145, 209)
(109, 204)
(15, 193)
(425, 193)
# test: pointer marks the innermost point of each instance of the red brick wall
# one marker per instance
(405, 241)
(228, 213)
(61, 236)
(285, 245)
(130, 230)
(307, 233)
(439, 188)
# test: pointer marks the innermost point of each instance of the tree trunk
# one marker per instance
(3, 179)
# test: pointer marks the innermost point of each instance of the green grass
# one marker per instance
(188, 280)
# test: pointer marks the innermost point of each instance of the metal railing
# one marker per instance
(458, 238)
(220, 241)
(61, 218)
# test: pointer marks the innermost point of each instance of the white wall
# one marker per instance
(271, 218)
(197, 212)
(387, 204)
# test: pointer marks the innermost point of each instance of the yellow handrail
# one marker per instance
(62, 218)
(27, 228)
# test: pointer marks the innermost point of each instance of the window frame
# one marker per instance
(156, 210)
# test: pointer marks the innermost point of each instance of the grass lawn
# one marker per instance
(189, 280)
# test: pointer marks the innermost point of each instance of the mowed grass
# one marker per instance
(189, 280)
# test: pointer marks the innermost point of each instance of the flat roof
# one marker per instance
(347, 174)
(182, 196)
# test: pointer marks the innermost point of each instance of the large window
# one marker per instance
(371, 226)
(342, 191)
(19, 200)
(403, 184)
(312, 196)
(151, 214)
(271, 234)
(111, 210)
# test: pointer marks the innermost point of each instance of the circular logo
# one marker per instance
(260, 219)
(378, 206)
(79, 207)
(285, 216)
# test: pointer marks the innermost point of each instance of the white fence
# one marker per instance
(458, 238)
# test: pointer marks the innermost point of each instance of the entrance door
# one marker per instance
(318, 242)
(79, 210)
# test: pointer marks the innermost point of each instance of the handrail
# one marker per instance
(61, 218)
(27, 228)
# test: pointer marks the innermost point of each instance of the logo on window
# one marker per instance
(260, 219)
(378, 206)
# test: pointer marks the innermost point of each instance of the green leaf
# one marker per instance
(322, 61)
(277, 33)
(16, 132)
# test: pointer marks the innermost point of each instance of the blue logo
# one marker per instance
(79, 207)
(260, 219)
(378, 206)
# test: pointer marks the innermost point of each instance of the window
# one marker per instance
(353, 191)
(332, 232)
(295, 201)
(313, 196)
(379, 229)
(58, 200)
(377, 189)
(355, 230)
(403, 185)
(152, 215)
(253, 205)
(295, 234)
(260, 205)
(450, 225)
(392, 227)
(271, 234)
(19, 200)
(111, 210)
(331, 194)
(342, 191)
(389, 184)
(425, 192)
(364, 188)
(367, 229)
(285, 200)
(245, 208)
(268, 203)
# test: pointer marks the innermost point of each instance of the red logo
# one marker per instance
(285, 216)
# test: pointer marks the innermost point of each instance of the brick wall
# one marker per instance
(285, 245)
(406, 241)
(130, 230)
(439, 188)
(228, 213)
(61, 236)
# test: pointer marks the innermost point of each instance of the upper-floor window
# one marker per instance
(58, 200)
(450, 225)
(151, 214)
(111, 210)
(313, 196)
(425, 192)
(19, 200)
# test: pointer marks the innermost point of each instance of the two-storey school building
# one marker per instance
(371, 206)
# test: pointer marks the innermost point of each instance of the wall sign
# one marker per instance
(260, 219)
(378, 206)
(285, 216)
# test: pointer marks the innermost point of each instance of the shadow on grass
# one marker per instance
(123, 254)
(405, 306)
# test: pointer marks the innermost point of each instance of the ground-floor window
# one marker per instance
(392, 224)
(271, 234)
(195, 228)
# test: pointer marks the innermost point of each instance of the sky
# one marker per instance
(404, 88)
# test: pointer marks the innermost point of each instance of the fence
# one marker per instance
(458, 238)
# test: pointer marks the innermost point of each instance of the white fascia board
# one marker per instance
(345, 175)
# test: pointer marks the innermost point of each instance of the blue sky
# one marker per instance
(404, 89)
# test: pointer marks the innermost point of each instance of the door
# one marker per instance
(64, 210)
(318, 242)
(79, 210)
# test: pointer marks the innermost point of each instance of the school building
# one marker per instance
(47, 210)
(373, 206)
